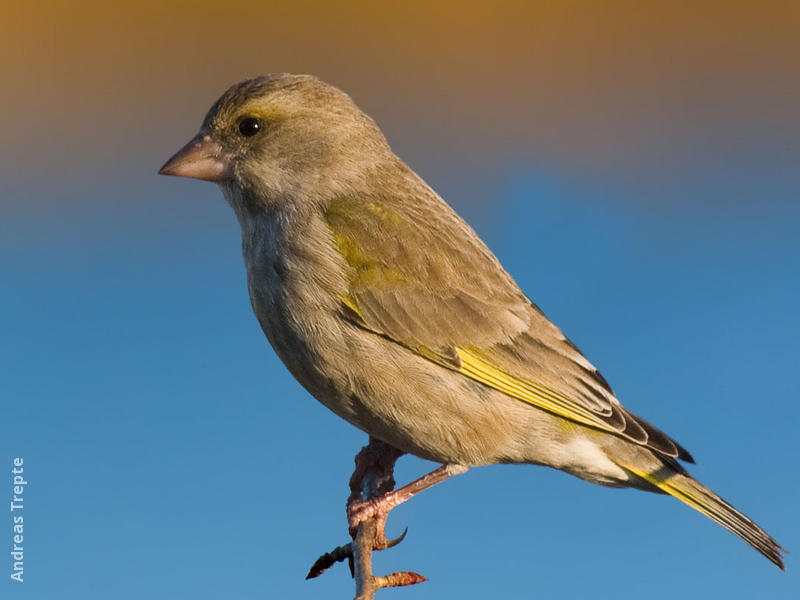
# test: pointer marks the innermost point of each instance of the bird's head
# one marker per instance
(281, 135)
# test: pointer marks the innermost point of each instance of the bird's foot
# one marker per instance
(360, 510)
(371, 500)
(373, 474)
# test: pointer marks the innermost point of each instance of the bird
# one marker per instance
(388, 308)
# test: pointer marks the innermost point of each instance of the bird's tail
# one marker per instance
(691, 492)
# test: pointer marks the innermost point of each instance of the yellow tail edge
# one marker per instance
(702, 499)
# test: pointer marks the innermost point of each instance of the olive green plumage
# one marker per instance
(391, 311)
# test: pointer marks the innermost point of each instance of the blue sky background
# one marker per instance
(635, 171)
(171, 455)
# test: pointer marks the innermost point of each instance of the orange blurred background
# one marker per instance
(611, 90)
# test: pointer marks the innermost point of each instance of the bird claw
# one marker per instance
(395, 541)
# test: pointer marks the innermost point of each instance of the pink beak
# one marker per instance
(201, 158)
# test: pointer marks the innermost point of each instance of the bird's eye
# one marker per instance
(249, 126)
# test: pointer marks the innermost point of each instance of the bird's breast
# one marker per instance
(295, 283)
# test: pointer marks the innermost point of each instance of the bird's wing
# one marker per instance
(421, 277)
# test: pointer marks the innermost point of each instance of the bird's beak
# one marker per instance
(201, 158)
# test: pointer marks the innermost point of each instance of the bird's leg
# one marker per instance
(359, 510)
(373, 477)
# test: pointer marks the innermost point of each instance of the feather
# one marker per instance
(418, 275)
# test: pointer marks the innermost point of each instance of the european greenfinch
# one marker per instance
(389, 309)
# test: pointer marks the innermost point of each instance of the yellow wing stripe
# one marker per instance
(475, 367)
(478, 369)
